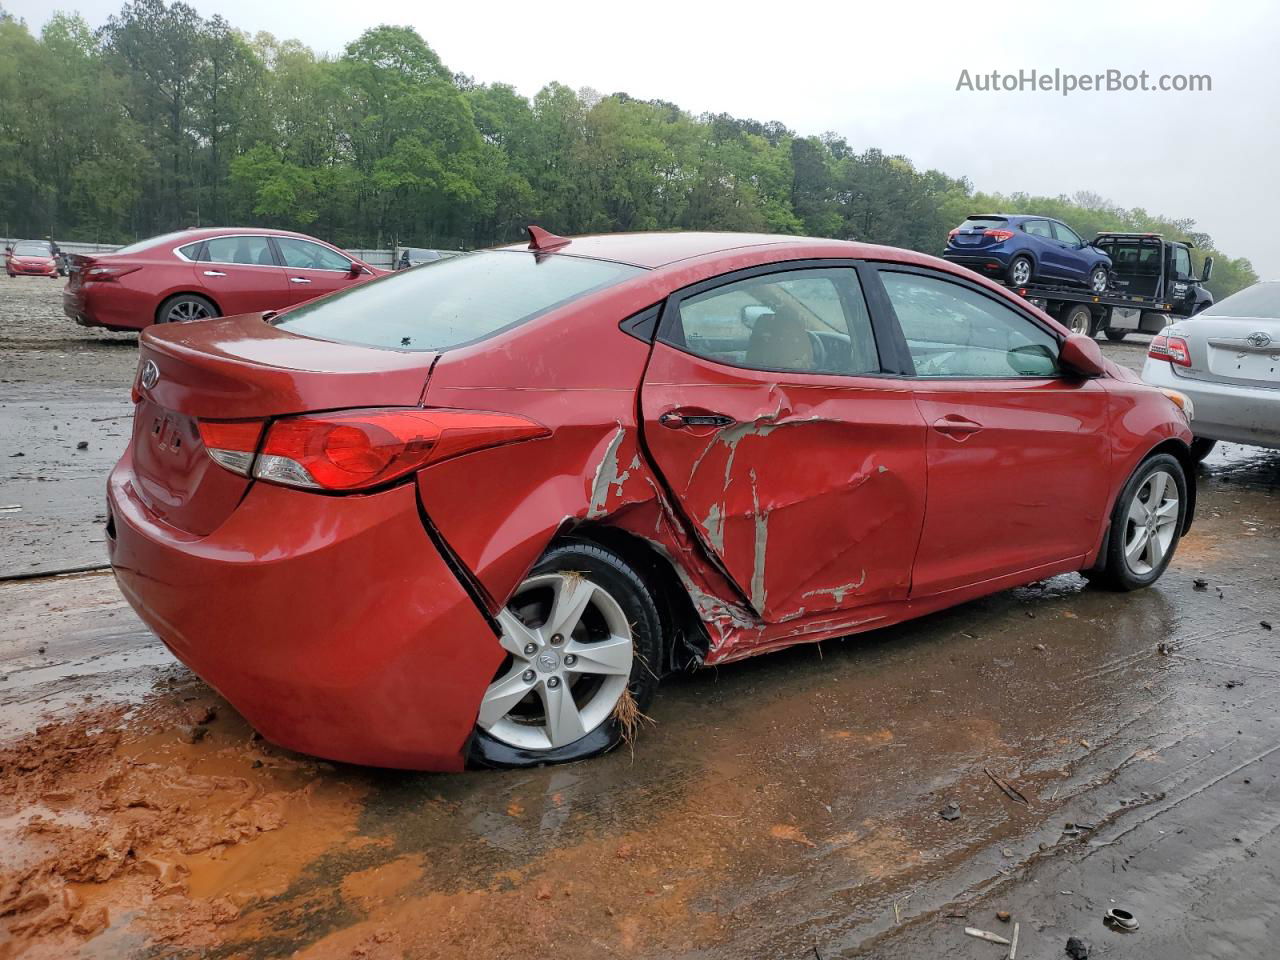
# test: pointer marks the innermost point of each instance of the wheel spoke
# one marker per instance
(564, 722)
(1158, 482)
(1154, 550)
(612, 656)
(1137, 545)
(1138, 513)
(573, 594)
(502, 695)
(515, 635)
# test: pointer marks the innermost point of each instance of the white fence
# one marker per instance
(385, 259)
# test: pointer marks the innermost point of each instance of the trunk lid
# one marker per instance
(1233, 350)
(972, 234)
(241, 368)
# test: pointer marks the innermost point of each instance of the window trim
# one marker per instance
(669, 319)
(280, 258)
(885, 303)
(201, 244)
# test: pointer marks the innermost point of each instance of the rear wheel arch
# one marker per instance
(684, 634)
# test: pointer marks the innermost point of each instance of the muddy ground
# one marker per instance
(782, 807)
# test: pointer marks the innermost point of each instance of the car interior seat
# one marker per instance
(780, 341)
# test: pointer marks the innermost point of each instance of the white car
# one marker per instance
(1227, 360)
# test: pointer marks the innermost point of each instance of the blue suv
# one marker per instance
(1024, 249)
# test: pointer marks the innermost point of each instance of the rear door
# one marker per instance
(1045, 247)
(798, 464)
(1017, 453)
(312, 269)
(239, 273)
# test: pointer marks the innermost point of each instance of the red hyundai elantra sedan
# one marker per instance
(196, 274)
(472, 512)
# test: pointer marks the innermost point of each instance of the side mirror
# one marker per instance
(356, 269)
(1081, 355)
(1207, 270)
(753, 312)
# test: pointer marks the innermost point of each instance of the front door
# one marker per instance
(1018, 454)
(312, 269)
(800, 467)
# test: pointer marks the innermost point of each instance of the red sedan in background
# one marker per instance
(474, 511)
(31, 258)
(210, 272)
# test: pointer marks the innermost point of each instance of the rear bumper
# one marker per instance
(107, 305)
(1224, 411)
(995, 262)
(331, 623)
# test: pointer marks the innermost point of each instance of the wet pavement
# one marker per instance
(786, 806)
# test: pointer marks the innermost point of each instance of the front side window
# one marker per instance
(305, 255)
(954, 331)
(1182, 262)
(1066, 234)
(454, 301)
(249, 251)
(1038, 228)
(811, 321)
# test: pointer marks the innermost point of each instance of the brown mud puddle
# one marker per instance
(156, 824)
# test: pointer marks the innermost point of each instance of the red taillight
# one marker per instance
(232, 443)
(1172, 349)
(999, 236)
(102, 273)
(952, 234)
(360, 449)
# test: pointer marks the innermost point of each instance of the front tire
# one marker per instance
(584, 647)
(1146, 525)
(1099, 280)
(185, 307)
(1021, 271)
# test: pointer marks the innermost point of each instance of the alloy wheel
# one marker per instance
(1021, 271)
(1151, 523)
(1099, 281)
(569, 655)
(185, 310)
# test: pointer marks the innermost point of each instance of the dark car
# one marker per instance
(474, 512)
(1026, 249)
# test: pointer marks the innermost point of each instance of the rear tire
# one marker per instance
(185, 307)
(1078, 318)
(1146, 526)
(1021, 271)
(1115, 336)
(547, 671)
(1201, 447)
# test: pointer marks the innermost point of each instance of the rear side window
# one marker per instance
(810, 321)
(952, 331)
(1038, 228)
(305, 255)
(454, 301)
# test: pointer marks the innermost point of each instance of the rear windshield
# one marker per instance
(1139, 258)
(150, 242)
(32, 248)
(454, 301)
(1259, 302)
(983, 223)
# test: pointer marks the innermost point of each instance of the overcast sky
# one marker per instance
(885, 75)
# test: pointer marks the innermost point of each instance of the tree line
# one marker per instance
(164, 119)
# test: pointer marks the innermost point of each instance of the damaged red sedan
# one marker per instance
(472, 513)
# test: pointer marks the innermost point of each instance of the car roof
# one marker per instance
(652, 250)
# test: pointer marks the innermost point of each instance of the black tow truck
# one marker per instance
(1151, 284)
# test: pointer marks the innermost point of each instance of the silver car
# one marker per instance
(1227, 360)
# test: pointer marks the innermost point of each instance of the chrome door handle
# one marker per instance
(299, 280)
(214, 273)
(675, 420)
